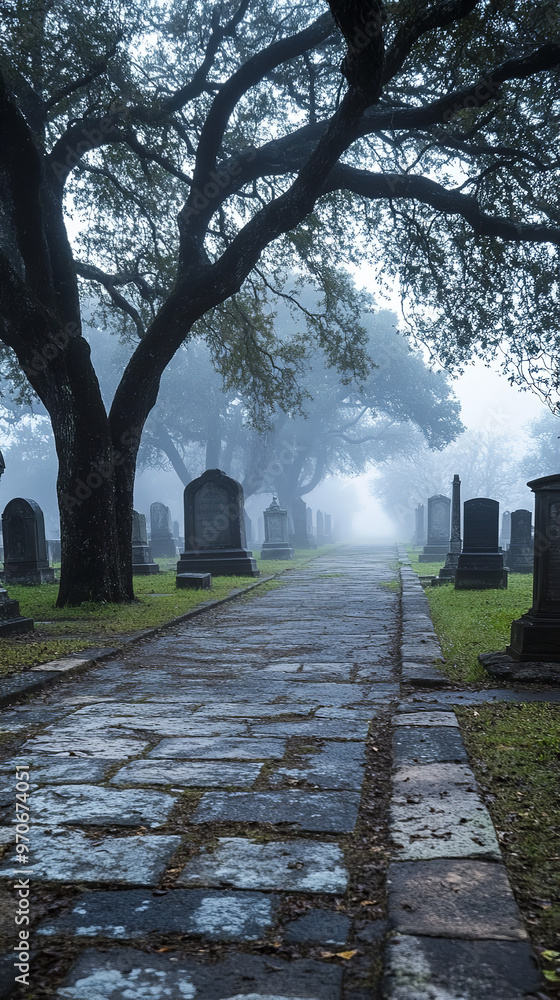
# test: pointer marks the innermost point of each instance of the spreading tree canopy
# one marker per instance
(199, 150)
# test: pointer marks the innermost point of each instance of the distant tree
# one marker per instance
(482, 459)
(344, 429)
(201, 150)
(542, 457)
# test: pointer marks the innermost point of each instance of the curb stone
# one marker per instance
(455, 931)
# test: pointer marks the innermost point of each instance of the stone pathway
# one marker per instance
(208, 813)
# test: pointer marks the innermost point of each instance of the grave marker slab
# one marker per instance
(142, 559)
(481, 564)
(520, 552)
(301, 538)
(25, 546)
(276, 544)
(419, 534)
(162, 540)
(436, 546)
(215, 528)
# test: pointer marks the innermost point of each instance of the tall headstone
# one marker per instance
(520, 553)
(25, 546)
(142, 561)
(481, 564)
(435, 549)
(215, 528)
(328, 528)
(309, 522)
(161, 532)
(320, 533)
(536, 635)
(505, 536)
(10, 619)
(419, 534)
(447, 572)
(300, 538)
(276, 543)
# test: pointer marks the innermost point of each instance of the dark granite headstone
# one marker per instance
(161, 531)
(520, 552)
(481, 564)
(215, 528)
(25, 546)
(301, 538)
(435, 549)
(448, 571)
(536, 635)
(10, 618)
(142, 561)
(276, 543)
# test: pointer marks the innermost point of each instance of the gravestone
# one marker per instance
(505, 536)
(309, 523)
(300, 538)
(142, 561)
(215, 528)
(520, 553)
(248, 530)
(435, 549)
(536, 635)
(419, 534)
(53, 549)
(481, 564)
(10, 619)
(176, 533)
(161, 532)
(320, 533)
(276, 543)
(448, 571)
(25, 546)
(328, 528)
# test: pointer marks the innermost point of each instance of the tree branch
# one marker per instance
(91, 273)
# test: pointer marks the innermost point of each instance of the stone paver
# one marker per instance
(133, 913)
(434, 744)
(187, 774)
(231, 748)
(321, 812)
(338, 765)
(93, 805)
(291, 865)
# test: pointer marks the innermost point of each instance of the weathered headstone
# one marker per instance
(536, 635)
(320, 533)
(300, 538)
(25, 546)
(276, 543)
(481, 564)
(215, 528)
(419, 534)
(142, 561)
(506, 530)
(53, 550)
(520, 553)
(309, 523)
(248, 530)
(448, 571)
(328, 528)
(10, 618)
(435, 549)
(161, 532)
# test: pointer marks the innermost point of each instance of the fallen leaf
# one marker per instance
(347, 954)
(368, 902)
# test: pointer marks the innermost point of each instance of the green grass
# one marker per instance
(62, 631)
(515, 752)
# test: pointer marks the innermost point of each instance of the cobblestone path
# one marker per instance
(197, 821)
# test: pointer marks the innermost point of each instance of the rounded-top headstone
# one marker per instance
(480, 525)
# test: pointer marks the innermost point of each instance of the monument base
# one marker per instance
(535, 637)
(277, 550)
(144, 569)
(433, 553)
(163, 548)
(10, 618)
(481, 571)
(504, 667)
(218, 562)
(448, 571)
(520, 559)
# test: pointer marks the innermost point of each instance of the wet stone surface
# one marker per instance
(322, 728)
(291, 866)
(187, 774)
(220, 749)
(338, 765)
(93, 805)
(416, 745)
(321, 812)
(59, 770)
(321, 927)
(133, 913)
(69, 856)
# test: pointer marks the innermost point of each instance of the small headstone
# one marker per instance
(142, 561)
(196, 581)
(448, 571)
(276, 543)
(419, 534)
(536, 635)
(520, 552)
(162, 541)
(25, 546)
(301, 538)
(436, 546)
(481, 564)
(215, 528)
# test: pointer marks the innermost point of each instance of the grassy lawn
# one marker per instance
(514, 750)
(62, 631)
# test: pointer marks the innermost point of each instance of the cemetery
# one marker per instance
(280, 553)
